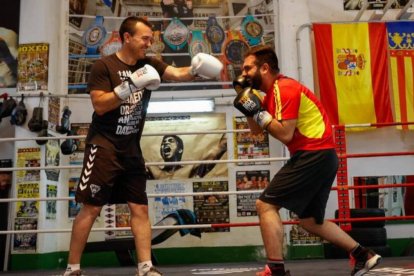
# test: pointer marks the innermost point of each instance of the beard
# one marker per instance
(256, 81)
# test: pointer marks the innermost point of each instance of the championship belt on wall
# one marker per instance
(157, 47)
(112, 45)
(198, 44)
(252, 30)
(234, 48)
(176, 34)
(94, 36)
(215, 34)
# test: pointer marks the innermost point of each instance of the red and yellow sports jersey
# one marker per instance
(289, 99)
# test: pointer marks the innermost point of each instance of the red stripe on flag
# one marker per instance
(325, 59)
(379, 72)
(401, 89)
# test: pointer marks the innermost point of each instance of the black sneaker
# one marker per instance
(364, 262)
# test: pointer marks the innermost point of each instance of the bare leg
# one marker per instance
(330, 232)
(141, 228)
(80, 231)
(271, 228)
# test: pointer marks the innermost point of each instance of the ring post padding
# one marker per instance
(342, 178)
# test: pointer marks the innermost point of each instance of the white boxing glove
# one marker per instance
(145, 77)
(206, 66)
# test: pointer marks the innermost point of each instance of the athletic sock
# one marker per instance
(144, 267)
(356, 251)
(277, 266)
(70, 268)
(73, 267)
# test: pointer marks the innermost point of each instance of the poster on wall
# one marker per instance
(9, 40)
(250, 180)
(77, 7)
(122, 219)
(28, 157)
(25, 242)
(299, 236)
(373, 4)
(80, 129)
(51, 191)
(52, 158)
(33, 67)
(172, 148)
(73, 207)
(165, 205)
(249, 146)
(210, 209)
(53, 112)
(5, 178)
(25, 209)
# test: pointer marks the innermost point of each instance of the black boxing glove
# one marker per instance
(36, 122)
(69, 146)
(64, 121)
(7, 107)
(249, 102)
(19, 114)
(43, 133)
(240, 83)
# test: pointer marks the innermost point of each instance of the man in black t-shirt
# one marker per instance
(113, 168)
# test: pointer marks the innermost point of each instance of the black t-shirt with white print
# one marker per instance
(120, 129)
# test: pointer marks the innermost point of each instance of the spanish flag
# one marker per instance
(353, 72)
(401, 53)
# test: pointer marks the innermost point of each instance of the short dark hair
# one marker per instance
(128, 25)
(264, 54)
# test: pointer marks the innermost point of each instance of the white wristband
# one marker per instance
(123, 91)
(263, 119)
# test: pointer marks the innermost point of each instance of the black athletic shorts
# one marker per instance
(108, 177)
(304, 183)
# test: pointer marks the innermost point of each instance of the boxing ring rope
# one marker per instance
(212, 225)
(224, 131)
(220, 225)
(381, 186)
(378, 124)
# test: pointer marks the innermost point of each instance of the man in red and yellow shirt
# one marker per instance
(291, 113)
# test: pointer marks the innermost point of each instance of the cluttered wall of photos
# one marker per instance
(181, 30)
(27, 212)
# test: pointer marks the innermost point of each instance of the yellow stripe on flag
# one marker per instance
(408, 68)
(353, 83)
(408, 93)
(395, 89)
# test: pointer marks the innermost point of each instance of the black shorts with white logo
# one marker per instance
(304, 183)
(111, 178)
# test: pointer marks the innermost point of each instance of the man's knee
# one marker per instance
(138, 210)
(90, 210)
(263, 207)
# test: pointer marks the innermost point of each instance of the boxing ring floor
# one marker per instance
(318, 267)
